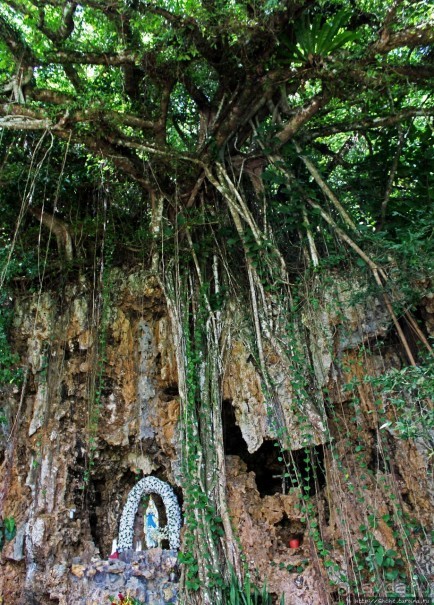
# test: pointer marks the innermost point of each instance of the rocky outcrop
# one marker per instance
(77, 437)
(266, 525)
(99, 408)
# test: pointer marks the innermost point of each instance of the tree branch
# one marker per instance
(20, 50)
(391, 178)
(60, 230)
(326, 189)
(338, 157)
(410, 37)
(119, 59)
(301, 117)
(368, 123)
(112, 151)
(65, 29)
(412, 72)
(18, 117)
(72, 75)
(91, 114)
(161, 123)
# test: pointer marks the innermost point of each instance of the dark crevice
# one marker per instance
(406, 499)
(63, 391)
(93, 524)
(326, 511)
(303, 468)
(94, 500)
(379, 462)
(171, 391)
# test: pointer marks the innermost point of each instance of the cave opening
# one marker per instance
(275, 471)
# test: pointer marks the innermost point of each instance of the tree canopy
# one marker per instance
(158, 87)
(167, 91)
(164, 90)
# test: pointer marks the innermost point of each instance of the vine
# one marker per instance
(101, 319)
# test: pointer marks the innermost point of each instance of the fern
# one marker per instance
(318, 38)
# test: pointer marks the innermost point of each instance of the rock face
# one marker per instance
(266, 525)
(78, 438)
(99, 409)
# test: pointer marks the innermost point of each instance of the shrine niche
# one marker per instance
(153, 532)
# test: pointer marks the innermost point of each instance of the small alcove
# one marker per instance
(288, 529)
(151, 507)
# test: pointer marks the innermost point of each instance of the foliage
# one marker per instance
(410, 391)
(372, 556)
(247, 593)
(8, 530)
(9, 372)
(23, 262)
(318, 38)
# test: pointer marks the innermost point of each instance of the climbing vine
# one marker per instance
(101, 320)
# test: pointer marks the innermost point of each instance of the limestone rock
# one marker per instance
(242, 385)
(78, 570)
(14, 550)
(55, 463)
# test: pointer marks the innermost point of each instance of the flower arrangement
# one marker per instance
(125, 600)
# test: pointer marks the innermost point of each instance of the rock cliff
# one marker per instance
(98, 408)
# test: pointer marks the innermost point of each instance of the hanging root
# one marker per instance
(60, 230)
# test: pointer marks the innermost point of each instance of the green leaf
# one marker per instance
(379, 555)
(392, 574)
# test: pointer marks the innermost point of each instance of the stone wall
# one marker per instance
(150, 576)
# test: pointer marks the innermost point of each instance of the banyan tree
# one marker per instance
(267, 167)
